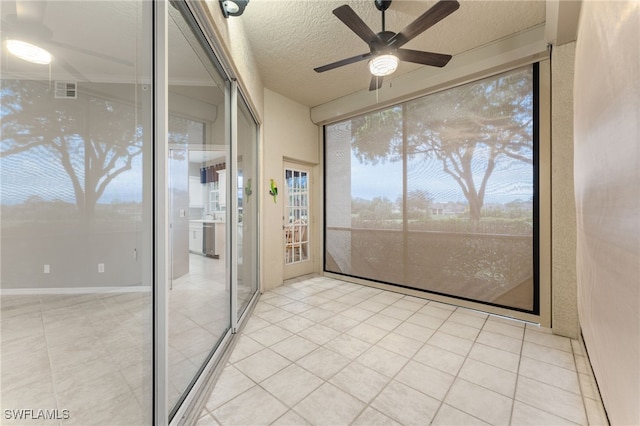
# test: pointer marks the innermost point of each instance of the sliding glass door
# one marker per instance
(76, 204)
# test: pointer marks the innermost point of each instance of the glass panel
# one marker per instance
(247, 227)
(442, 193)
(296, 233)
(75, 194)
(199, 296)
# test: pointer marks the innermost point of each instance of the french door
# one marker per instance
(296, 220)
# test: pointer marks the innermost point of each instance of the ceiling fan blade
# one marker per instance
(343, 62)
(355, 23)
(70, 69)
(424, 58)
(435, 14)
(376, 83)
(92, 53)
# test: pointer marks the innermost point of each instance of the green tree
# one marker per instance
(94, 139)
(471, 130)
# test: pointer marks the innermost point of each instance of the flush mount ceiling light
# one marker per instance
(383, 65)
(233, 7)
(29, 52)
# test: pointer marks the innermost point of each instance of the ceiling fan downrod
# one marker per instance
(382, 5)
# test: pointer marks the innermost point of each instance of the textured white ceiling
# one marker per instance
(290, 38)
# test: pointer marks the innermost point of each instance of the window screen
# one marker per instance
(438, 193)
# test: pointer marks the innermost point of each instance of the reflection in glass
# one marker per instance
(247, 226)
(442, 192)
(76, 241)
(199, 296)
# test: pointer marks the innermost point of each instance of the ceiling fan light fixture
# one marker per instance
(382, 65)
(28, 52)
(233, 7)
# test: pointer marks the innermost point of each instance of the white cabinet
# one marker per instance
(196, 192)
(195, 237)
(222, 188)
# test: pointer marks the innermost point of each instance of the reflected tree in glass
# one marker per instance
(94, 139)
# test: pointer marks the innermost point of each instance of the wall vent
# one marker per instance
(66, 90)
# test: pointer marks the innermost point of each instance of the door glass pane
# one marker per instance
(296, 240)
(438, 193)
(76, 204)
(199, 296)
(247, 226)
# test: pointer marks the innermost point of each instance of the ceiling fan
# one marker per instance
(26, 30)
(385, 46)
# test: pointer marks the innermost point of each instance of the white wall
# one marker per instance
(607, 185)
(288, 133)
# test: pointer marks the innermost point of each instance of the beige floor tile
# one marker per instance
(595, 413)
(360, 381)
(405, 405)
(207, 420)
(398, 313)
(294, 347)
(549, 355)
(230, 384)
(245, 346)
(357, 313)
(323, 362)
(488, 376)
(329, 406)
(500, 341)
(509, 330)
(425, 379)
(292, 384)
(274, 315)
(450, 343)
(399, 344)
(550, 374)
(254, 407)
(340, 323)
(424, 320)
(319, 334)
(437, 311)
(449, 416)
(348, 346)
(269, 335)
(414, 331)
(371, 305)
(410, 304)
(367, 332)
(317, 314)
(550, 340)
(496, 357)
(383, 321)
(551, 399)
(262, 364)
(382, 361)
(295, 324)
(459, 330)
(526, 415)
(468, 317)
(291, 418)
(371, 417)
(254, 323)
(480, 402)
(439, 358)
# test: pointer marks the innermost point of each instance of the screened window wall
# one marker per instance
(439, 193)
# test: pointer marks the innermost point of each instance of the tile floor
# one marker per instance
(326, 352)
(90, 354)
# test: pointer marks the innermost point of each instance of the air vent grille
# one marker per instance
(66, 90)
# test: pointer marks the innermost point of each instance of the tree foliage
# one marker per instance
(471, 130)
(93, 139)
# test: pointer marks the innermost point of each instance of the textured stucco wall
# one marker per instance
(288, 134)
(564, 309)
